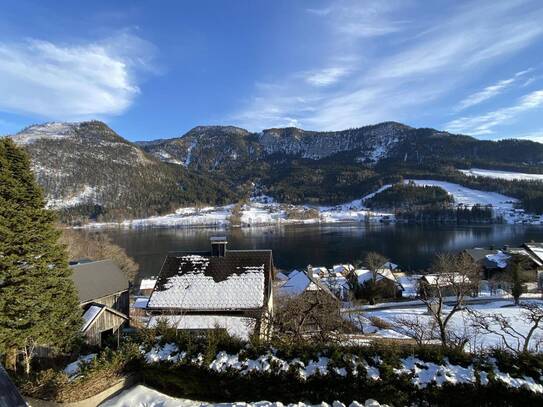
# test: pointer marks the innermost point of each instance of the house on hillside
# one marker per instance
(343, 269)
(494, 264)
(304, 283)
(103, 292)
(389, 286)
(446, 284)
(318, 272)
(536, 250)
(226, 289)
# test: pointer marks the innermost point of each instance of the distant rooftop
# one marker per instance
(98, 279)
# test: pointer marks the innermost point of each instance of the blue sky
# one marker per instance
(156, 69)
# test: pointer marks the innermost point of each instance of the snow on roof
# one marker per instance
(281, 276)
(435, 279)
(536, 249)
(365, 275)
(147, 283)
(90, 315)
(141, 303)
(500, 259)
(342, 268)
(235, 326)
(191, 282)
(296, 284)
(389, 265)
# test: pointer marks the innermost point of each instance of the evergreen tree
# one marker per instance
(516, 288)
(38, 301)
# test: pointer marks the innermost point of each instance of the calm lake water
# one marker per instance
(411, 246)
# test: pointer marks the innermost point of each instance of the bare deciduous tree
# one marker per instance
(370, 289)
(453, 278)
(314, 315)
(512, 338)
(421, 330)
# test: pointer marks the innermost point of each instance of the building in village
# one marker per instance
(385, 280)
(103, 292)
(304, 283)
(494, 264)
(445, 285)
(221, 288)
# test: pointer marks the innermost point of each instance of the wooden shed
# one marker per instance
(103, 292)
(101, 322)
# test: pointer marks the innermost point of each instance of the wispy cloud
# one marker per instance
(490, 91)
(485, 123)
(417, 63)
(327, 76)
(67, 81)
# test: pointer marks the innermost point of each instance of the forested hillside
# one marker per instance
(87, 170)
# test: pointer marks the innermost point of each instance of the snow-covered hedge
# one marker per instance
(396, 376)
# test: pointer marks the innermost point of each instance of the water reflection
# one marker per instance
(411, 246)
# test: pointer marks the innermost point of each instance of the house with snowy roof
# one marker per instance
(220, 288)
(384, 278)
(103, 293)
(494, 262)
(304, 283)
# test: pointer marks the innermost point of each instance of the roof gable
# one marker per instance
(92, 314)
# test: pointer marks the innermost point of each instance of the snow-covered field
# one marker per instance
(263, 210)
(507, 175)
(141, 396)
(460, 322)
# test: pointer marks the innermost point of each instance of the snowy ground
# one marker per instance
(460, 322)
(141, 396)
(507, 175)
(263, 210)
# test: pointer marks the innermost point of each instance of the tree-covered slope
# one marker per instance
(87, 169)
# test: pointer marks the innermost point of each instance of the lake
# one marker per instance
(410, 246)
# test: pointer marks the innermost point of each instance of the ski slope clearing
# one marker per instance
(141, 396)
(507, 175)
(469, 197)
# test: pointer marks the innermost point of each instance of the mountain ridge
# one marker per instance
(87, 169)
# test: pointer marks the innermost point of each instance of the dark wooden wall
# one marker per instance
(106, 321)
(119, 302)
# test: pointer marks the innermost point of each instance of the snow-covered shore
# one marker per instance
(263, 211)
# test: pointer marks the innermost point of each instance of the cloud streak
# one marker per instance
(72, 81)
(490, 91)
(485, 123)
(417, 63)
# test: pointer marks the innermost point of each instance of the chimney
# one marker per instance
(218, 246)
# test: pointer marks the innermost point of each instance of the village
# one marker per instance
(238, 290)
(234, 289)
(475, 300)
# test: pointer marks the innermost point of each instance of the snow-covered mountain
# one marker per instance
(214, 147)
(87, 168)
